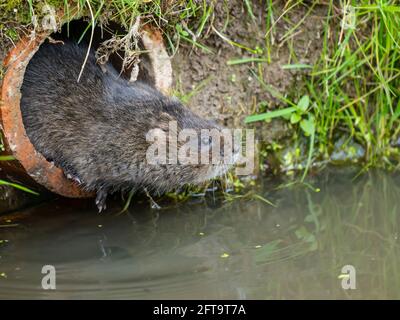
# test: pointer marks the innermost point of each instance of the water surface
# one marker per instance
(208, 248)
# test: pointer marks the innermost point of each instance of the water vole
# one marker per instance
(95, 130)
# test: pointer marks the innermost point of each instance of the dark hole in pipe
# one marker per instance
(81, 30)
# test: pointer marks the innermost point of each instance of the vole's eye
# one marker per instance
(206, 141)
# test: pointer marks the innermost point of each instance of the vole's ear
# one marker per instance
(166, 117)
(156, 134)
(164, 121)
(168, 123)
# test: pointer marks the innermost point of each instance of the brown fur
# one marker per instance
(95, 129)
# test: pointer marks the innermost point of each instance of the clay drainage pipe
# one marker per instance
(29, 166)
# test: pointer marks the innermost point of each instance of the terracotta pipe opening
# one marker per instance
(30, 167)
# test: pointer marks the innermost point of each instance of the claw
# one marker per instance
(101, 198)
(74, 178)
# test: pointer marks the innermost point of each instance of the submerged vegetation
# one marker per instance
(347, 107)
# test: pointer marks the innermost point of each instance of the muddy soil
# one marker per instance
(232, 92)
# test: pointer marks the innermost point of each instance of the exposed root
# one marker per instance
(128, 45)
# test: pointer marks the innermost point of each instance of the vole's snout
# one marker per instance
(236, 148)
(230, 149)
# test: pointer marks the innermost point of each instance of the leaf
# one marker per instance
(313, 246)
(266, 252)
(17, 186)
(296, 66)
(178, 27)
(295, 118)
(6, 158)
(301, 233)
(308, 126)
(309, 218)
(257, 196)
(245, 60)
(304, 103)
(269, 115)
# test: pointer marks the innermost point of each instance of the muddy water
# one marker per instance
(207, 248)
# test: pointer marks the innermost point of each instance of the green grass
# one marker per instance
(354, 86)
(17, 186)
(170, 16)
(11, 184)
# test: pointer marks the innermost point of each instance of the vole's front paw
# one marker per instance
(101, 198)
(74, 178)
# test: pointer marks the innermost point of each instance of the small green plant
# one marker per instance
(353, 84)
(7, 183)
(296, 114)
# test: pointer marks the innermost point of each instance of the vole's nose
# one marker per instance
(236, 149)
(233, 151)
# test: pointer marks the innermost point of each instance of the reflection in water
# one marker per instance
(244, 249)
